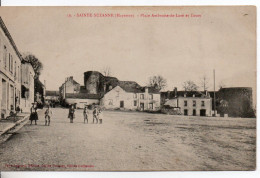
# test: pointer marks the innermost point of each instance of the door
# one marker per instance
(185, 112)
(203, 112)
(142, 106)
(4, 95)
(121, 104)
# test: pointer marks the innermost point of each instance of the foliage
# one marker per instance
(36, 64)
(157, 82)
(190, 86)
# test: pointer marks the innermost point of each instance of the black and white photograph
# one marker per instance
(166, 88)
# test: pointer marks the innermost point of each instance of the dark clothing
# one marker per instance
(71, 115)
(34, 115)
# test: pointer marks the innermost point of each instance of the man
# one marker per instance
(71, 115)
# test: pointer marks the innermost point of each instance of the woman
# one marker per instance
(34, 115)
(71, 115)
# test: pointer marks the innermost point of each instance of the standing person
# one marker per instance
(95, 115)
(48, 114)
(34, 115)
(100, 116)
(85, 114)
(71, 113)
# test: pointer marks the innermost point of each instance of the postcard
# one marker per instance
(169, 88)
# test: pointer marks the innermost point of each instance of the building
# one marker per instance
(69, 86)
(82, 99)
(234, 101)
(131, 96)
(27, 95)
(96, 83)
(190, 103)
(10, 72)
(52, 96)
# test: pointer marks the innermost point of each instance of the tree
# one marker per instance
(190, 86)
(204, 83)
(106, 71)
(157, 82)
(36, 64)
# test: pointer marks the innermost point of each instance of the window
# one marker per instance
(202, 103)
(194, 103)
(150, 96)
(135, 95)
(185, 103)
(110, 102)
(194, 112)
(135, 103)
(5, 56)
(142, 96)
(18, 73)
(15, 69)
(9, 62)
(151, 106)
(12, 64)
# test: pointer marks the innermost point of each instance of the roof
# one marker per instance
(2, 25)
(52, 93)
(82, 96)
(171, 94)
(130, 86)
(171, 103)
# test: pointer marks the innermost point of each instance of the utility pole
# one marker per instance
(214, 94)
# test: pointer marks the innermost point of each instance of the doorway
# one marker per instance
(121, 104)
(185, 112)
(203, 112)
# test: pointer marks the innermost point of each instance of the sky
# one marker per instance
(177, 48)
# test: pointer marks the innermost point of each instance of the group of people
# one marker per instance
(97, 114)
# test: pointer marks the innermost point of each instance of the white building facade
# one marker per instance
(27, 95)
(10, 72)
(120, 98)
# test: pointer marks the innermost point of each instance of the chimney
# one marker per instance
(175, 91)
(206, 92)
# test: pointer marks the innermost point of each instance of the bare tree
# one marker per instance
(204, 83)
(157, 82)
(190, 86)
(106, 71)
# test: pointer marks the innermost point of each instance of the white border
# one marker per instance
(222, 174)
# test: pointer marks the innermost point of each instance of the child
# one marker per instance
(85, 113)
(48, 114)
(100, 116)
